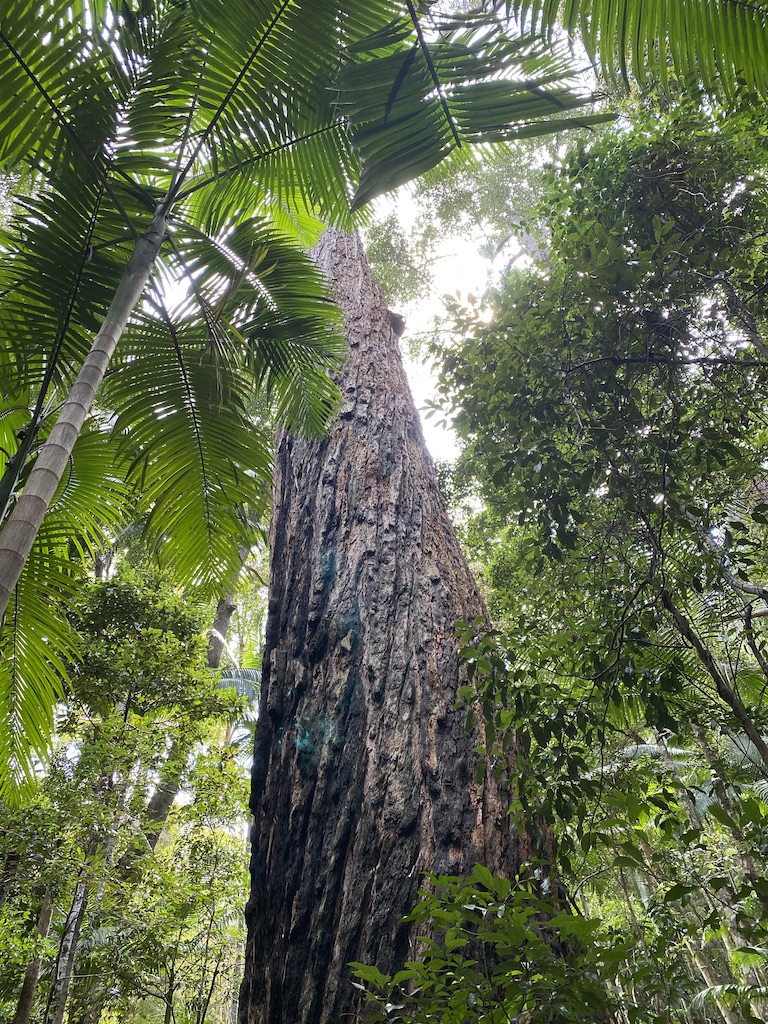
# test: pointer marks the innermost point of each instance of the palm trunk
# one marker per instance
(365, 775)
(23, 524)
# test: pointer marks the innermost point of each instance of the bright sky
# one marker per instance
(460, 273)
(458, 269)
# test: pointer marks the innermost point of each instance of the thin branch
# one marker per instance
(749, 632)
(740, 586)
(724, 690)
(659, 359)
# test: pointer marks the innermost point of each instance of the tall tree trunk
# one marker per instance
(26, 999)
(365, 775)
(65, 963)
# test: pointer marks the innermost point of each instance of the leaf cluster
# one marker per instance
(496, 955)
(613, 416)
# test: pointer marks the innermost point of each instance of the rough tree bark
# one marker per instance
(364, 774)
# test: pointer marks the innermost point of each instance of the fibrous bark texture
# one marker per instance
(364, 774)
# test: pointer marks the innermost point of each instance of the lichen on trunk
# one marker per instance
(365, 773)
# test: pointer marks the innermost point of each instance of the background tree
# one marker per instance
(135, 922)
(622, 467)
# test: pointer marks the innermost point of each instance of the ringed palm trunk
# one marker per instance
(365, 775)
(22, 526)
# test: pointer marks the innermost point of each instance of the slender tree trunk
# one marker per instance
(169, 784)
(22, 526)
(724, 690)
(712, 980)
(10, 866)
(217, 637)
(32, 974)
(365, 775)
(732, 936)
(65, 964)
(170, 992)
(740, 844)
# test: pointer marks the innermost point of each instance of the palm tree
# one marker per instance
(109, 116)
(173, 160)
(167, 143)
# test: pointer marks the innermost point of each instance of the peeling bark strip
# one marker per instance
(364, 775)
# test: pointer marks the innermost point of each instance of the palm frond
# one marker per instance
(245, 681)
(56, 282)
(265, 303)
(195, 457)
(714, 45)
(36, 647)
(410, 103)
(37, 644)
(730, 994)
(71, 90)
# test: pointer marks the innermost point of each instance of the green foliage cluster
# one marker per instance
(621, 470)
(146, 892)
(633, 355)
(501, 951)
(400, 259)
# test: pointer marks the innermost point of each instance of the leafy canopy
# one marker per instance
(240, 125)
(623, 537)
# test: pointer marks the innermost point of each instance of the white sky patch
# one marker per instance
(458, 269)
